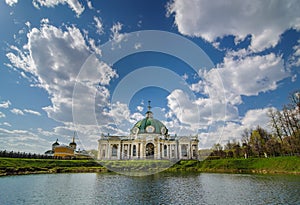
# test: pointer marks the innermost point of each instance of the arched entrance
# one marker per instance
(150, 151)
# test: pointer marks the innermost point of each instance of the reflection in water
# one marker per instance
(162, 188)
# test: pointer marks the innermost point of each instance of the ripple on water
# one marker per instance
(162, 188)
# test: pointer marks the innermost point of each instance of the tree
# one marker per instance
(258, 139)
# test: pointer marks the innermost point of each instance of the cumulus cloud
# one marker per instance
(5, 104)
(264, 20)
(232, 131)
(11, 2)
(55, 57)
(17, 111)
(24, 140)
(77, 7)
(190, 115)
(183, 108)
(244, 75)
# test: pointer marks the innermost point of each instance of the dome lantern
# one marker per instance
(149, 125)
(149, 114)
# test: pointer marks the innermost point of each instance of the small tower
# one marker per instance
(73, 144)
(55, 144)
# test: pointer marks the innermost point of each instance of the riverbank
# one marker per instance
(19, 166)
(276, 165)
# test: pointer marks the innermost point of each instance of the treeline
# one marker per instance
(283, 140)
(12, 154)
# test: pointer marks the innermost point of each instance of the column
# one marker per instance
(130, 151)
(139, 150)
(158, 150)
(119, 151)
(122, 151)
(142, 150)
(99, 150)
(168, 151)
(108, 151)
(179, 149)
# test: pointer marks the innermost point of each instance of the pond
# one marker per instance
(161, 188)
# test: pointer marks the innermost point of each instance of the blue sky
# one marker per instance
(210, 70)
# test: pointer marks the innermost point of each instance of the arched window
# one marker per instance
(134, 150)
(114, 151)
(184, 150)
(165, 150)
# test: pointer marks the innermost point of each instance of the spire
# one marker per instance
(149, 114)
(73, 143)
(149, 106)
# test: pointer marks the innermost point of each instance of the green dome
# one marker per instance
(149, 125)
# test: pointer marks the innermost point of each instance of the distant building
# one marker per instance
(148, 139)
(66, 151)
(51, 152)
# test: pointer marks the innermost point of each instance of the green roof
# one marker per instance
(149, 121)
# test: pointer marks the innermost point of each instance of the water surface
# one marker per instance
(162, 188)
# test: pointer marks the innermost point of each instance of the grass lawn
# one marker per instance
(288, 165)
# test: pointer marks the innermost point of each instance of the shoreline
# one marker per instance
(276, 165)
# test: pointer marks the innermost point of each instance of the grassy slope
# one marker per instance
(12, 166)
(252, 165)
(290, 165)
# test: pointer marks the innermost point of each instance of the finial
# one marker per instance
(149, 113)
(149, 106)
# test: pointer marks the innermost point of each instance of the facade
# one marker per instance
(148, 139)
(66, 151)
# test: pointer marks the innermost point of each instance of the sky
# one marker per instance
(90, 67)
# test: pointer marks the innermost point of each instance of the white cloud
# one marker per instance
(28, 24)
(264, 20)
(77, 7)
(137, 45)
(189, 115)
(23, 140)
(99, 25)
(5, 104)
(185, 76)
(244, 75)
(140, 108)
(32, 112)
(6, 124)
(17, 111)
(256, 117)
(116, 35)
(233, 130)
(11, 2)
(135, 117)
(2, 115)
(94, 47)
(183, 108)
(44, 20)
(89, 4)
(66, 54)
(295, 58)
